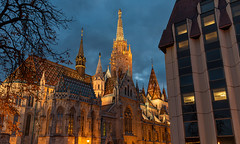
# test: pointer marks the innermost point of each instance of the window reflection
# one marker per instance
(211, 37)
(183, 44)
(219, 94)
(182, 29)
(189, 98)
(209, 20)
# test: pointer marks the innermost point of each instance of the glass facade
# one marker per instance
(217, 82)
(235, 6)
(186, 82)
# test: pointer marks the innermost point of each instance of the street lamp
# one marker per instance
(88, 141)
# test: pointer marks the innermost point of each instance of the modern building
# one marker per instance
(77, 108)
(201, 47)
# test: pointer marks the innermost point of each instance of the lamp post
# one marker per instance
(88, 141)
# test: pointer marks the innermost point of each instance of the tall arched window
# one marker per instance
(82, 123)
(128, 90)
(48, 121)
(128, 121)
(28, 122)
(59, 127)
(71, 121)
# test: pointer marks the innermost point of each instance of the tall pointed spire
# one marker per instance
(99, 72)
(120, 35)
(153, 86)
(80, 52)
(80, 59)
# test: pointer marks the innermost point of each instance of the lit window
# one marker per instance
(219, 94)
(189, 98)
(211, 37)
(183, 44)
(208, 20)
(182, 29)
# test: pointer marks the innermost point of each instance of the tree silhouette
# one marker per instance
(27, 27)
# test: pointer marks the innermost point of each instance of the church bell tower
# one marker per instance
(80, 59)
(121, 57)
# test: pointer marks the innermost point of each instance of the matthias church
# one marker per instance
(106, 108)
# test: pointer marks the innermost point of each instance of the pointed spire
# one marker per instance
(81, 53)
(137, 85)
(120, 35)
(153, 86)
(99, 72)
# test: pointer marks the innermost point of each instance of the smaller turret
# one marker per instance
(98, 80)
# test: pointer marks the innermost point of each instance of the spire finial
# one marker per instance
(152, 62)
(82, 33)
(120, 35)
(99, 55)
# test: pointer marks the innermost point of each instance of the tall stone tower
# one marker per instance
(121, 57)
(80, 59)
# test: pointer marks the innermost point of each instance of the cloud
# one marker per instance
(143, 23)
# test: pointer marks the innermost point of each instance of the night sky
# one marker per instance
(143, 24)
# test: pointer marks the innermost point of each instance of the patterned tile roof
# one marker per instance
(74, 86)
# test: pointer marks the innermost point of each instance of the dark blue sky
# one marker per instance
(143, 24)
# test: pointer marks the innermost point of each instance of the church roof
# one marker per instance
(52, 71)
(109, 85)
(153, 86)
(75, 86)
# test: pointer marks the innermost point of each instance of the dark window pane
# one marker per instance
(217, 84)
(222, 114)
(186, 70)
(184, 53)
(212, 46)
(224, 127)
(191, 129)
(190, 117)
(213, 55)
(186, 80)
(220, 104)
(184, 62)
(187, 89)
(216, 74)
(192, 141)
(236, 10)
(207, 6)
(214, 64)
(189, 108)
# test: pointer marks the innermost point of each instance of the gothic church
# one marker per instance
(77, 108)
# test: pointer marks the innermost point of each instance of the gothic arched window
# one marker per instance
(59, 127)
(71, 121)
(28, 122)
(48, 120)
(128, 90)
(128, 121)
(82, 123)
